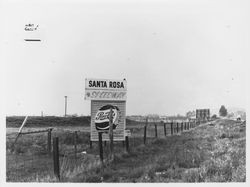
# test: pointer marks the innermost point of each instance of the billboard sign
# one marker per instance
(100, 119)
(106, 94)
(105, 89)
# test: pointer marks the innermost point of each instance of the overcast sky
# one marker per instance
(176, 55)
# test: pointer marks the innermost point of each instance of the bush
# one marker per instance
(223, 111)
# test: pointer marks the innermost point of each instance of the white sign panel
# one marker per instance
(105, 89)
(127, 133)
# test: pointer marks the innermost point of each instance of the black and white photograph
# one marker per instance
(125, 91)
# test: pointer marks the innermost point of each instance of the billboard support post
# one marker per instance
(111, 134)
(90, 142)
(127, 144)
(100, 146)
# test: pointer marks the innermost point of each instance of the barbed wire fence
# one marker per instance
(33, 152)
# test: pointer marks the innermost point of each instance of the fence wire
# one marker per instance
(27, 158)
(31, 154)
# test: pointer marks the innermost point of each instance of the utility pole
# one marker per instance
(65, 106)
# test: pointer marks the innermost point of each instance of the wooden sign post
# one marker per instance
(127, 144)
(100, 146)
(111, 134)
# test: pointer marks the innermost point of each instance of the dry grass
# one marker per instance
(208, 153)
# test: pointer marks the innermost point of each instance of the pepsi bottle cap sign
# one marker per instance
(102, 117)
(100, 112)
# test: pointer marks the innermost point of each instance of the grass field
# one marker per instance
(211, 152)
(51, 121)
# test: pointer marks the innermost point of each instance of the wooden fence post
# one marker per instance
(171, 124)
(145, 134)
(49, 141)
(123, 142)
(145, 131)
(165, 131)
(181, 126)
(56, 157)
(75, 145)
(155, 130)
(185, 126)
(177, 128)
(100, 146)
(188, 125)
(90, 142)
(127, 144)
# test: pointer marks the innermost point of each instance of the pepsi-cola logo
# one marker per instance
(102, 117)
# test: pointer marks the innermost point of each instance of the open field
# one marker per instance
(211, 152)
(52, 121)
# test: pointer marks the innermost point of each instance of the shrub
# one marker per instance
(223, 135)
(193, 175)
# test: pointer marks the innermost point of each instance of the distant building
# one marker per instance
(202, 114)
(136, 118)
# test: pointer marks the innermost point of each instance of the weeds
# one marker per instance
(210, 153)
